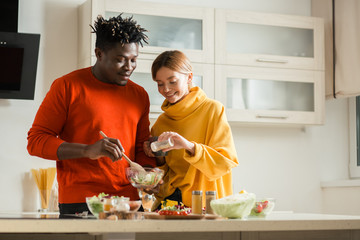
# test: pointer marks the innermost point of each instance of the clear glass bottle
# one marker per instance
(209, 195)
(196, 206)
(157, 146)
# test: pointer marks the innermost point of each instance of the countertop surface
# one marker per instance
(276, 221)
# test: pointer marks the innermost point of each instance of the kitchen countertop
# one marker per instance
(277, 221)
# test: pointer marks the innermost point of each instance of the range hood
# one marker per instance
(18, 55)
(9, 15)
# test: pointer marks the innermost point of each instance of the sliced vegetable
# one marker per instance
(179, 209)
(262, 208)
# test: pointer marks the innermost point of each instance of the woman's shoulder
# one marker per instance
(213, 105)
(207, 102)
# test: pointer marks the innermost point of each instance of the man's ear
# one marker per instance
(98, 53)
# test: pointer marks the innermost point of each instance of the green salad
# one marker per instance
(148, 179)
(234, 206)
(95, 205)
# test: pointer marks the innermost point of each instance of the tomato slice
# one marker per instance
(172, 212)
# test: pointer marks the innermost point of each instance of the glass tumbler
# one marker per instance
(147, 200)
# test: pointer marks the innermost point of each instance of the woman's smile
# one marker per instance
(172, 85)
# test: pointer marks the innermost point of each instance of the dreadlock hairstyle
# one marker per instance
(117, 30)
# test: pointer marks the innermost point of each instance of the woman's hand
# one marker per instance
(179, 142)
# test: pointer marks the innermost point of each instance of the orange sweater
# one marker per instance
(75, 109)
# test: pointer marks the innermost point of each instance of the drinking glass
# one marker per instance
(147, 200)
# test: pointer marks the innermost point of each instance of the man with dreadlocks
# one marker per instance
(81, 104)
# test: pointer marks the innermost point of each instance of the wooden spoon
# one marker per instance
(131, 163)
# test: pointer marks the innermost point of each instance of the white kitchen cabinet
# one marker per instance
(271, 95)
(186, 28)
(203, 77)
(268, 40)
(270, 67)
(265, 68)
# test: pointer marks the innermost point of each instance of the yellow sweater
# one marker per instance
(202, 121)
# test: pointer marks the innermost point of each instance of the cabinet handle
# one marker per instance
(271, 116)
(271, 60)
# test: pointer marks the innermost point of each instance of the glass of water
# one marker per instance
(147, 200)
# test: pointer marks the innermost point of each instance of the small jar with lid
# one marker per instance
(107, 204)
(210, 195)
(196, 207)
(157, 146)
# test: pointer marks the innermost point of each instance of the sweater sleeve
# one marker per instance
(42, 137)
(218, 156)
(142, 135)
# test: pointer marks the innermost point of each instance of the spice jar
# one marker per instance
(107, 204)
(210, 195)
(157, 146)
(196, 207)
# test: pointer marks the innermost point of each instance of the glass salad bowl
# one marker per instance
(147, 179)
(262, 207)
(95, 205)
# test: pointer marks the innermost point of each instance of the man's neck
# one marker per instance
(96, 74)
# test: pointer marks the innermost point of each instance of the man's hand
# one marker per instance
(106, 147)
(147, 149)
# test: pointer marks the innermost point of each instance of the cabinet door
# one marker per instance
(270, 95)
(186, 28)
(269, 40)
(203, 77)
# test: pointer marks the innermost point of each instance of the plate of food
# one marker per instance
(173, 210)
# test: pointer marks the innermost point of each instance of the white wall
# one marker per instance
(289, 164)
(56, 21)
(285, 163)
